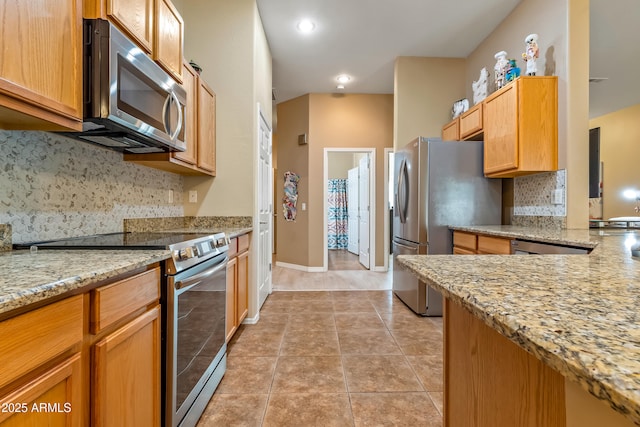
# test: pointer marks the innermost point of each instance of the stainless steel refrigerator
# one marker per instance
(437, 184)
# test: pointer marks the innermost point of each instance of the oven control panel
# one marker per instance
(186, 254)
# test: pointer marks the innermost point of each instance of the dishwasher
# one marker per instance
(526, 247)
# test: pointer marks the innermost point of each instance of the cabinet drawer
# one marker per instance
(471, 122)
(31, 339)
(462, 251)
(494, 245)
(465, 240)
(243, 243)
(113, 302)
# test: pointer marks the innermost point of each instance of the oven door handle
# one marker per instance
(194, 280)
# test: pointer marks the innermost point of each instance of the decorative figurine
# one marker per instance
(480, 87)
(531, 53)
(459, 107)
(501, 67)
(513, 72)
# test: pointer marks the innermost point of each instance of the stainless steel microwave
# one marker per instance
(130, 103)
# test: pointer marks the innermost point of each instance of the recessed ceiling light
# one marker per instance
(306, 26)
(343, 78)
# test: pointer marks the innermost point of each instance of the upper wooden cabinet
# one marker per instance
(471, 123)
(206, 128)
(451, 131)
(154, 25)
(168, 38)
(521, 128)
(135, 17)
(41, 65)
(200, 133)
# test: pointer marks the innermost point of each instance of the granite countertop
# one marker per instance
(28, 278)
(577, 313)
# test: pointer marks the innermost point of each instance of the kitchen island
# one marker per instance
(575, 314)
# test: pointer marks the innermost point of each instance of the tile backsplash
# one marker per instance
(533, 200)
(54, 187)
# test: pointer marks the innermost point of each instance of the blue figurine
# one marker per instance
(513, 71)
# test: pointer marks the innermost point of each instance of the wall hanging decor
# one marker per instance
(290, 198)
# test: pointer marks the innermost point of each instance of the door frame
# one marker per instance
(254, 282)
(372, 204)
(388, 171)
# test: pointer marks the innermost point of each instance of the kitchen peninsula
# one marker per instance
(529, 340)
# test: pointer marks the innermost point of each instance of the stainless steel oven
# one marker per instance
(194, 312)
(195, 327)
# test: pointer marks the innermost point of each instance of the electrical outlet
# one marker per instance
(170, 196)
(193, 196)
(557, 197)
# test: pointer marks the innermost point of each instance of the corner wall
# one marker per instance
(425, 90)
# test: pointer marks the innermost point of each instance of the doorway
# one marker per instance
(349, 207)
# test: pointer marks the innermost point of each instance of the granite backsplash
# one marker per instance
(55, 187)
(532, 200)
(188, 222)
(5, 237)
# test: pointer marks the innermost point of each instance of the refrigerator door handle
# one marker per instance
(401, 193)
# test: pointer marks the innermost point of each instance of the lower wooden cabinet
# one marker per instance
(125, 384)
(54, 398)
(490, 381)
(465, 243)
(237, 283)
(90, 359)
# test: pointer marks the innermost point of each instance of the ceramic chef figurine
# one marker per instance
(531, 54)
(501, 67)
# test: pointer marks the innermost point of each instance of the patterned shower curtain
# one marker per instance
(337, 233)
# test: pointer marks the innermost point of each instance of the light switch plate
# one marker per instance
(193, 196)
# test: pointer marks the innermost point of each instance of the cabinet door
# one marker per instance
(242, 301)
(232, 278)
(206, 128)
(451, 131)
(135, 17)
(168, 38)
(41, 65)
(189, 83)
(126, 374)
(501, 131)
(52, 399)
(471, 123)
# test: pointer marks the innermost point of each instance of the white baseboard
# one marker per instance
(380, 269)
(251, 320)
(300, 267)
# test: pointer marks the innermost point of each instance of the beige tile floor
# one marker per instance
(286, 279)
(332, 358)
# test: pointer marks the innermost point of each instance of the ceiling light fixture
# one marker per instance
(340, 87)
(306, 26)
(343, 78)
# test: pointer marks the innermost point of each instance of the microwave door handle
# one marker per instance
(174, 135)
(165, 112)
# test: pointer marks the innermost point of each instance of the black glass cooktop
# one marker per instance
(153, 240)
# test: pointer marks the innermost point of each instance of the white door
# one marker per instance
(363, 210)
(352, 211)
(265, 209)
